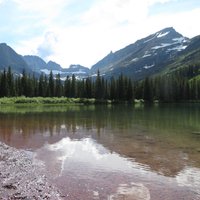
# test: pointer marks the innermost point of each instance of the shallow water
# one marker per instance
(112, 152)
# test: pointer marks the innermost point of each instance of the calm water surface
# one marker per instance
(111, 152)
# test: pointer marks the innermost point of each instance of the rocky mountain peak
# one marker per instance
(51, 65)
(145, 56)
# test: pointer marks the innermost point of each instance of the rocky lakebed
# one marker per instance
(24, 177)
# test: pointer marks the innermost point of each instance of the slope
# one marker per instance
(145, 57)
(9, 58)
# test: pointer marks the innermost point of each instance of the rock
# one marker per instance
(21, 179)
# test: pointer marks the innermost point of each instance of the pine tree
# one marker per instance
(10, 81)
(98, 86)
(121, 87)
(4, 84)
(129, 93)
(67, 86)
(73, 87)
(51, 85)
(41, 87)
(113, 89)
(88, 88)
(58, 91)
(24, 84)
(147, 91)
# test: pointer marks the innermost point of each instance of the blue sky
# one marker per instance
(84, 31)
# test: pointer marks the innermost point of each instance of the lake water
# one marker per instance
(111, 152)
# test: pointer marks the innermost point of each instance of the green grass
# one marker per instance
(50, 100)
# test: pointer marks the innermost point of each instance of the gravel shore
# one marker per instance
(22, 177)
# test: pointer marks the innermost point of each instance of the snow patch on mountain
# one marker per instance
(134, 59)
(149, 40)
(138, 71)
(146, 55)
(179, 40)
(178, 48)
(47, 71)
(162, 46)
(162, 34)
(148, 66)
(79, 72)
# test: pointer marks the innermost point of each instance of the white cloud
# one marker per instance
(28, 47)
(45, 7)
(47, 12)
(112, 12)
(47, 47)
(107, 25)
(2, 1)
(183, 22)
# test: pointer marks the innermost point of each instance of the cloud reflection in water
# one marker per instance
(87, 151)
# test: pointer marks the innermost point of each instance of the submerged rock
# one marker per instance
(21, 178)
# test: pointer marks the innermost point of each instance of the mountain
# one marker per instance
(53, 66)
(38, 65)
(9, 58)
(35, 62)
(186, 58)
(145, 57)
(160, 53)
(77, 69)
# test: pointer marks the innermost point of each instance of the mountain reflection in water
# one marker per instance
(112, 152)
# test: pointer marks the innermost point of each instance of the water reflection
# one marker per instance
(164, 138)
(189, 177)
(130, 192)
(91, 164)
(126, 149)
(93, 168)
(88, 153)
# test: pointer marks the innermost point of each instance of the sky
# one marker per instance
(85, 31)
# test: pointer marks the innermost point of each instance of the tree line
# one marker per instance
(53, 86)
(178, 86)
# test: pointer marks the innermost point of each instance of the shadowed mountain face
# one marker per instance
(9, 58)
(35, 62)
(36, 65)
(145, 57)
(188, 57)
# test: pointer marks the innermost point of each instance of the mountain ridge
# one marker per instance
(9, 58)
(160, 52)
(144, 57)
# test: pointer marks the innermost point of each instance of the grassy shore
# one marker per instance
(71, 101)
(50, 100)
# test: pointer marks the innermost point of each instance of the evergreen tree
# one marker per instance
(51, 85)
(10, 82)
(147, 91)
(41, 86)
(88, 88)
(67, 87)
(121, 88)
(58, 91)
(24, 84)
(113, 94)
(73, 87)
(98, 87)
(4, 84)
(129, 93)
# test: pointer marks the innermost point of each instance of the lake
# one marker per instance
(111, 152)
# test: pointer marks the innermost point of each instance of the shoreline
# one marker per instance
(80, 101)
(22, 178)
